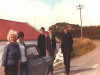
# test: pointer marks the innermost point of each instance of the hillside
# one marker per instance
(91, 32)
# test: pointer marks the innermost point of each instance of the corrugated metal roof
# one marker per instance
(6, 25)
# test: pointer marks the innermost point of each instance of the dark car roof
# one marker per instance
(31, 45)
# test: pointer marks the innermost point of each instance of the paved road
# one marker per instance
(88, 64)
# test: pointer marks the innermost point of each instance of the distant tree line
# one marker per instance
(92, 32)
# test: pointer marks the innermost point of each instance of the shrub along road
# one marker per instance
(88, 64)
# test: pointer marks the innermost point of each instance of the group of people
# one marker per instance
(47, 45)
(14, 59)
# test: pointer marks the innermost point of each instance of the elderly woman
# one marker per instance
(23, 60)
(11, 56)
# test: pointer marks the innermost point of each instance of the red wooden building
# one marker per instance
(6, 25)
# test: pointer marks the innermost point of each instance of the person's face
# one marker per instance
(50, 31)
(12, 38)
(66, 30)
(21, 39)
(42, 32)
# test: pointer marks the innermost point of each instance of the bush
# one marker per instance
(82, 46)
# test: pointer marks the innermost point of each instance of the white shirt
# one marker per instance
(22, 51)
(50, 36)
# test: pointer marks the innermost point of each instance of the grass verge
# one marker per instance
(81, 47)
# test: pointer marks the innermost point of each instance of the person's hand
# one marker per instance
(55, 51)
(3, 70)
(4, 73)
(47, 52)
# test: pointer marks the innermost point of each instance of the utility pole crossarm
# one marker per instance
(80, 5)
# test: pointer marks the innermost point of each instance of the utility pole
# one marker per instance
(81, 7)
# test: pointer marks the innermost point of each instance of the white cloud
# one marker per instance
(40, 14)
(90, 13)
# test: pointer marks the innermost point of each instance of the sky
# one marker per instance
(45, 13)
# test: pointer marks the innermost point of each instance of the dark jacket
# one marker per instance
(25, 49)
(50, 43)
(67, 42)
(41, 44)
(41, 41)
(11, 55)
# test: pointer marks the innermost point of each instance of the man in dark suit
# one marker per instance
(41, 42)
(50, 44)
(66, 46)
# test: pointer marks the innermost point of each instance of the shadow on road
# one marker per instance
(81, 70)
(62, 70)
(59, 72)
(64, 67)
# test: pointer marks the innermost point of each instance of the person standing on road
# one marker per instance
(11, 56)
(23, 51)
(51, 44)
(66, 47)
(41, 42)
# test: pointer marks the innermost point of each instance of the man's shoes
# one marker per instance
(67, 74)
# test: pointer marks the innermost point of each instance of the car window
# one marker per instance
(32, 53)
(0, 56)
(2, 47)
(32, 50)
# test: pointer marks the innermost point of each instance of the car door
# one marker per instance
(37, 65)
(1, 52)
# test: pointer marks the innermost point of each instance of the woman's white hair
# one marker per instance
(12, 32)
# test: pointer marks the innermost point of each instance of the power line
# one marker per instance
(81, 7)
